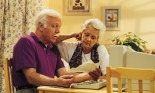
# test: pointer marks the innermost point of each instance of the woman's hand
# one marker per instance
(77, 36)
(95, 74)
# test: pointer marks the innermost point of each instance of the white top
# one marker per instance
(67, 49)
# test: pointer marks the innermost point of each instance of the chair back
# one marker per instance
(7, 74)
(130, 74)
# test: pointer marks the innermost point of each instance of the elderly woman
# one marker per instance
(77, 53)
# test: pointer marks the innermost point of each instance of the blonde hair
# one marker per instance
(41, 17)
(97, 24)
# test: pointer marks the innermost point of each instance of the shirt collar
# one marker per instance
(36, 39)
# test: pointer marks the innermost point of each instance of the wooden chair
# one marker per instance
(7, 75)
(130, 74)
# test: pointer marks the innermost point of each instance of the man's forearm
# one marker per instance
(38, 79)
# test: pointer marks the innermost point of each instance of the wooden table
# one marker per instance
(48, 89)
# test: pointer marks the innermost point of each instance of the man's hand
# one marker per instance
(95, 74)
(65, 80)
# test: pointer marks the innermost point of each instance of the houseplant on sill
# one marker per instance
(130, 40)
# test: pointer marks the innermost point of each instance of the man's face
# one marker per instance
(89, 37)
(52, 29)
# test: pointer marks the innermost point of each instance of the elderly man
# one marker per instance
(36, 60)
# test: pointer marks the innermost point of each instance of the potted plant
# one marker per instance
(130, 40)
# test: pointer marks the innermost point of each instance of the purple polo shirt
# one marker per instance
(29, 52)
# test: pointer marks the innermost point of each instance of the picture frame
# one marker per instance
(111, 17)
(77, 7)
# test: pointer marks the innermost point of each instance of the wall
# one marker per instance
(136, 16)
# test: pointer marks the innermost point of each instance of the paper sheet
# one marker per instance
(85, 67)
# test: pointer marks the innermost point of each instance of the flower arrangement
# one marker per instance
(130, 40)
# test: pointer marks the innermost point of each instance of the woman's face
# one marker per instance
(90, 37)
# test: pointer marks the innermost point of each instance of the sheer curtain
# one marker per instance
(16, 20)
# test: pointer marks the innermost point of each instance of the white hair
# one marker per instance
(41, 17)
(97, 24)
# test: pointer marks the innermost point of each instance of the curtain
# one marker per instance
(16, 20)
